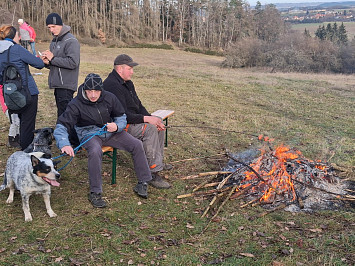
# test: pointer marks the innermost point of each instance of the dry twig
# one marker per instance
(203, 193)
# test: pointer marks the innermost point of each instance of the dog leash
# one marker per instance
(89, 137)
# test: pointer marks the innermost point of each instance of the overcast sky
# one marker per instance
(265, 2)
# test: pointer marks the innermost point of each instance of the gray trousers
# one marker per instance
(153, 143)
(123, 141)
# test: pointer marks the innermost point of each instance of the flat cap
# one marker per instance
(124, 59)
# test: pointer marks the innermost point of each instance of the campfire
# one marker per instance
(275, 178)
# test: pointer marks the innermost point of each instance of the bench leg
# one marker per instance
(114, 161)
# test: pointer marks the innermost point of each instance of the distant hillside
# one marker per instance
(321, 5)
(338, 4)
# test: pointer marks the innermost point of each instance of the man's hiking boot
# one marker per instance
(96, 200)
(167, 167)
(141, 189)
(158, 181)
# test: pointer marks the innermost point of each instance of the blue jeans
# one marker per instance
(33, 48)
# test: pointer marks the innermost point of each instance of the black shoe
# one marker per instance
(141, 189)
(167, 167)
(158, 182)
(14, 142)
(96, 200)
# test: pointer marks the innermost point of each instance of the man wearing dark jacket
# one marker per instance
(63, 61)
(88, 112)
(143, 126)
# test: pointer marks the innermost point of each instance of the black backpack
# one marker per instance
(16, 94)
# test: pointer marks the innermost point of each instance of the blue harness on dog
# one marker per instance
(101, 131)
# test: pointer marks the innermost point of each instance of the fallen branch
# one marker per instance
(196, 158)
(206, 174)
(248, 166)
(203, 193)
(323, 190)
(241, 192)
(211, 184)
(344, 199)
(203, 184)
(209, 206)
(250, 202)
(219, 209)
(341, 168)
(220, 185)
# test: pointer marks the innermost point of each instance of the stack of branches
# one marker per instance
(275, 178)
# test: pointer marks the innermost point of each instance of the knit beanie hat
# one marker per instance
(54, 19)
(20, 20)
(93, 82)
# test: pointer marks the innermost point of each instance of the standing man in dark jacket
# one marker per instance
(141, 124)
(88, 112)
(63, 60)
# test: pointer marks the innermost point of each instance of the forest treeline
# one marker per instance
(247, 36)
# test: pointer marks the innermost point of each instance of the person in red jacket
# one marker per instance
(33, 38)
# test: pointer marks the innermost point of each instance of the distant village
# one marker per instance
(309, 15)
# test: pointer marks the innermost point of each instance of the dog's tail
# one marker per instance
(3, 186)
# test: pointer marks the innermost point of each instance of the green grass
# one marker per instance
(312, 112)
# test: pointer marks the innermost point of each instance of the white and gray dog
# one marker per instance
(30, 173)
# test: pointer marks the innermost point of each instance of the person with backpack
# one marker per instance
(13, 53)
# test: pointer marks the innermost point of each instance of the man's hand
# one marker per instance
(68, 150)
(111, 127)
(45, 60)
(156, 121)
(48, 54)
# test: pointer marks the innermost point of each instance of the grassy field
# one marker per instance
(312, 27)
(314, 113)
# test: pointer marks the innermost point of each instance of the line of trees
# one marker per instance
(248, 37)
(201, 23)
(332, 33)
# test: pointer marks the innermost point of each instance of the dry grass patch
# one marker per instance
(314, 113)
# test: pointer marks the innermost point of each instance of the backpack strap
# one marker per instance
(26, 68)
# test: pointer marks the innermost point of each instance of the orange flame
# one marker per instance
(277, 180)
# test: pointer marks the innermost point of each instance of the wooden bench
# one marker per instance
(112, 152)
(164, 115)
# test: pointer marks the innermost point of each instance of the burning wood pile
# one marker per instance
(280, 178)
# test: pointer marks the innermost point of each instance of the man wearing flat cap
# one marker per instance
(62, 59)
(141, 124)
(88, 112)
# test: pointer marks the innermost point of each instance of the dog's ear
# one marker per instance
(46, 156)
(36, 131)
(35, 161)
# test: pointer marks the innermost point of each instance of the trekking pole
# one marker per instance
(215, 128)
